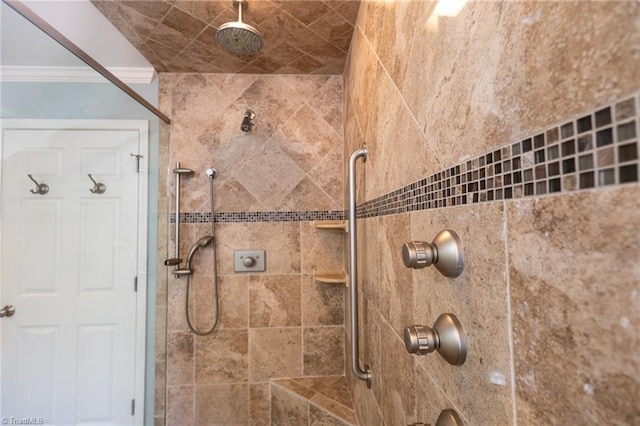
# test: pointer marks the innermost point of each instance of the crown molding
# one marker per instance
(73, 74)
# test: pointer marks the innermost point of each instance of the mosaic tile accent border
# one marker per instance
(595, 150)
(287, 216)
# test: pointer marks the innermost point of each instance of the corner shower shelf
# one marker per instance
(331, 225)
(331, 277)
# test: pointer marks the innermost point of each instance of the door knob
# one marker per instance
(7, 311)
(446, 336)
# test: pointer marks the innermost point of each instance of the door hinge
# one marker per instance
(135, 283)
(133, 407)
(138, 157)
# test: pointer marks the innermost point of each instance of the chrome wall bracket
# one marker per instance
(446, 336)
(446, 418)
(445, 252)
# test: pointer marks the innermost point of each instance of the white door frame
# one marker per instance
(142, 127)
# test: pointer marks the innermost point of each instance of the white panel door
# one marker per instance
(69, 263)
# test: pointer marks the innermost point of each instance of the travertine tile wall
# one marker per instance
(548, 279)
(276, 324)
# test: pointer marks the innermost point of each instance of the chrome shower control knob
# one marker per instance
(248, 261)
(446, 336)
(420, 340)
(418, 254)
(445, 252)
(447, 417)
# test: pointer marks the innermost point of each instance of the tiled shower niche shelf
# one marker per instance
(331, 277)
(331, 225)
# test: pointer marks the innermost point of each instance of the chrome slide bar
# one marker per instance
(176, 261)
(353, 268)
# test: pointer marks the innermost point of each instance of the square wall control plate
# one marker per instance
(249, 260)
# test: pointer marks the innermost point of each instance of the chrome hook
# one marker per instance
(98, 188)
(41, 188)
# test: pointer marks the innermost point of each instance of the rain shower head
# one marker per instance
(238, 37)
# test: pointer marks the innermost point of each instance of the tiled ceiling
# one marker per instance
(300, 37)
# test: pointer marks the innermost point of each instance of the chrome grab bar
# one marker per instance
(353, 269)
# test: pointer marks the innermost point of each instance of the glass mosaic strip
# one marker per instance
(287, 216)
(594, 150)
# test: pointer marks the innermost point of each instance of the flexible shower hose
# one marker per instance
(215, 275)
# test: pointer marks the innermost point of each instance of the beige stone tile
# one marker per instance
(307, 139)
(397, 395)
(222, 357)
(319, 417)
(287, 409)
(274, 353)
(180, 406)
(274, 301)
(573, 270)
(261, 173)
(384, 273)
(273, 100)
(205, 11)
(222, 404)
(346, 415)
(236, 198)
(202, 301)
(431, 399)
(180, 358)
(366, 406)
(347, 9)
(304, 11)
(160, 390)
(478, 298)
(306, 195)
(410, 156)
(191, 97)
(169, 37)
(323, 351)
(183, 22)
(260, 404)
(281, 241)
(332, 387)
(363, 88)
(328, 102)
(331, 25)
(306, 86)
(297, 386)
(322, 304)
(234, 301)
(328, 175)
